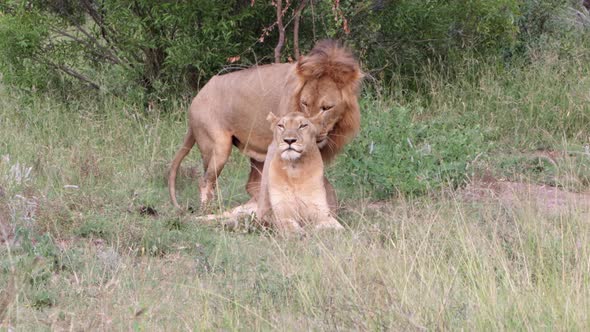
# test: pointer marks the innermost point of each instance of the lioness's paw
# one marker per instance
(331, 224)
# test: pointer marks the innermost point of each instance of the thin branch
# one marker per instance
(98, 18)
(313, 21)
(111, 55)
(90, 46)
(109, 51)
(298, 12)
(108, 34)
(281, 28)
(69, 71)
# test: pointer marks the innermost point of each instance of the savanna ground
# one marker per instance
(487, 225)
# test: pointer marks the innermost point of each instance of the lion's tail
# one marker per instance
(189, 142)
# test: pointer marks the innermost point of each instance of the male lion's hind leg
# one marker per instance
(215, 150)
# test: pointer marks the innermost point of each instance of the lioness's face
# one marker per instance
(294, 134)
(323, 97)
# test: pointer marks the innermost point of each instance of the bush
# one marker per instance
(397, 154)
(161, 47)
(401, 37)
(21, 37)
(156, 50)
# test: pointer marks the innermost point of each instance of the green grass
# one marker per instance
(87, 257)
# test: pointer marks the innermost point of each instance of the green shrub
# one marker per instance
(396, 153)
(21, 38)
(402, 37)
(538, 17)
(95, 227)
(154, 50)
(161, 47)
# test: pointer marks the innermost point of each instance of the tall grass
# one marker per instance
(528, 106)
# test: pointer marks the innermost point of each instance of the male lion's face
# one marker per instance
(294, 134)
(322, 96)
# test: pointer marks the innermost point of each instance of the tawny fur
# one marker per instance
(293, 195)
(231, 110)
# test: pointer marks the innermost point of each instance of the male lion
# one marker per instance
(231, 110)
(292, 193)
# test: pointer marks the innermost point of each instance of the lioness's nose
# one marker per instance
(290, 140)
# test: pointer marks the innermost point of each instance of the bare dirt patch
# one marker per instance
(548, 199)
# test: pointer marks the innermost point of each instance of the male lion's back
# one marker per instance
(243, 95)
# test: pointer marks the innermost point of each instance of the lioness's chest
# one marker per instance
(296, 188)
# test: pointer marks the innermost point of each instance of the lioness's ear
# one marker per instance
(272, 119)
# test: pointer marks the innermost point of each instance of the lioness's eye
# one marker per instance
(326, 108)
(281, 126)
(304, 104)
(303, 126)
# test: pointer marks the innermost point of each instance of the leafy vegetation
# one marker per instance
(152, 51)
(128, 48)
(396, 154)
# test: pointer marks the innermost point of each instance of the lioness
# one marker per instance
(231, 110)
(292, 193)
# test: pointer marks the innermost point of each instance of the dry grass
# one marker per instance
(409, 265)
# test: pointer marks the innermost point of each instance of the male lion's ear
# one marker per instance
(272, 119)
(302, 71)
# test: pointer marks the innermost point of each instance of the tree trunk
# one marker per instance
(298, 12)
(281, 27)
